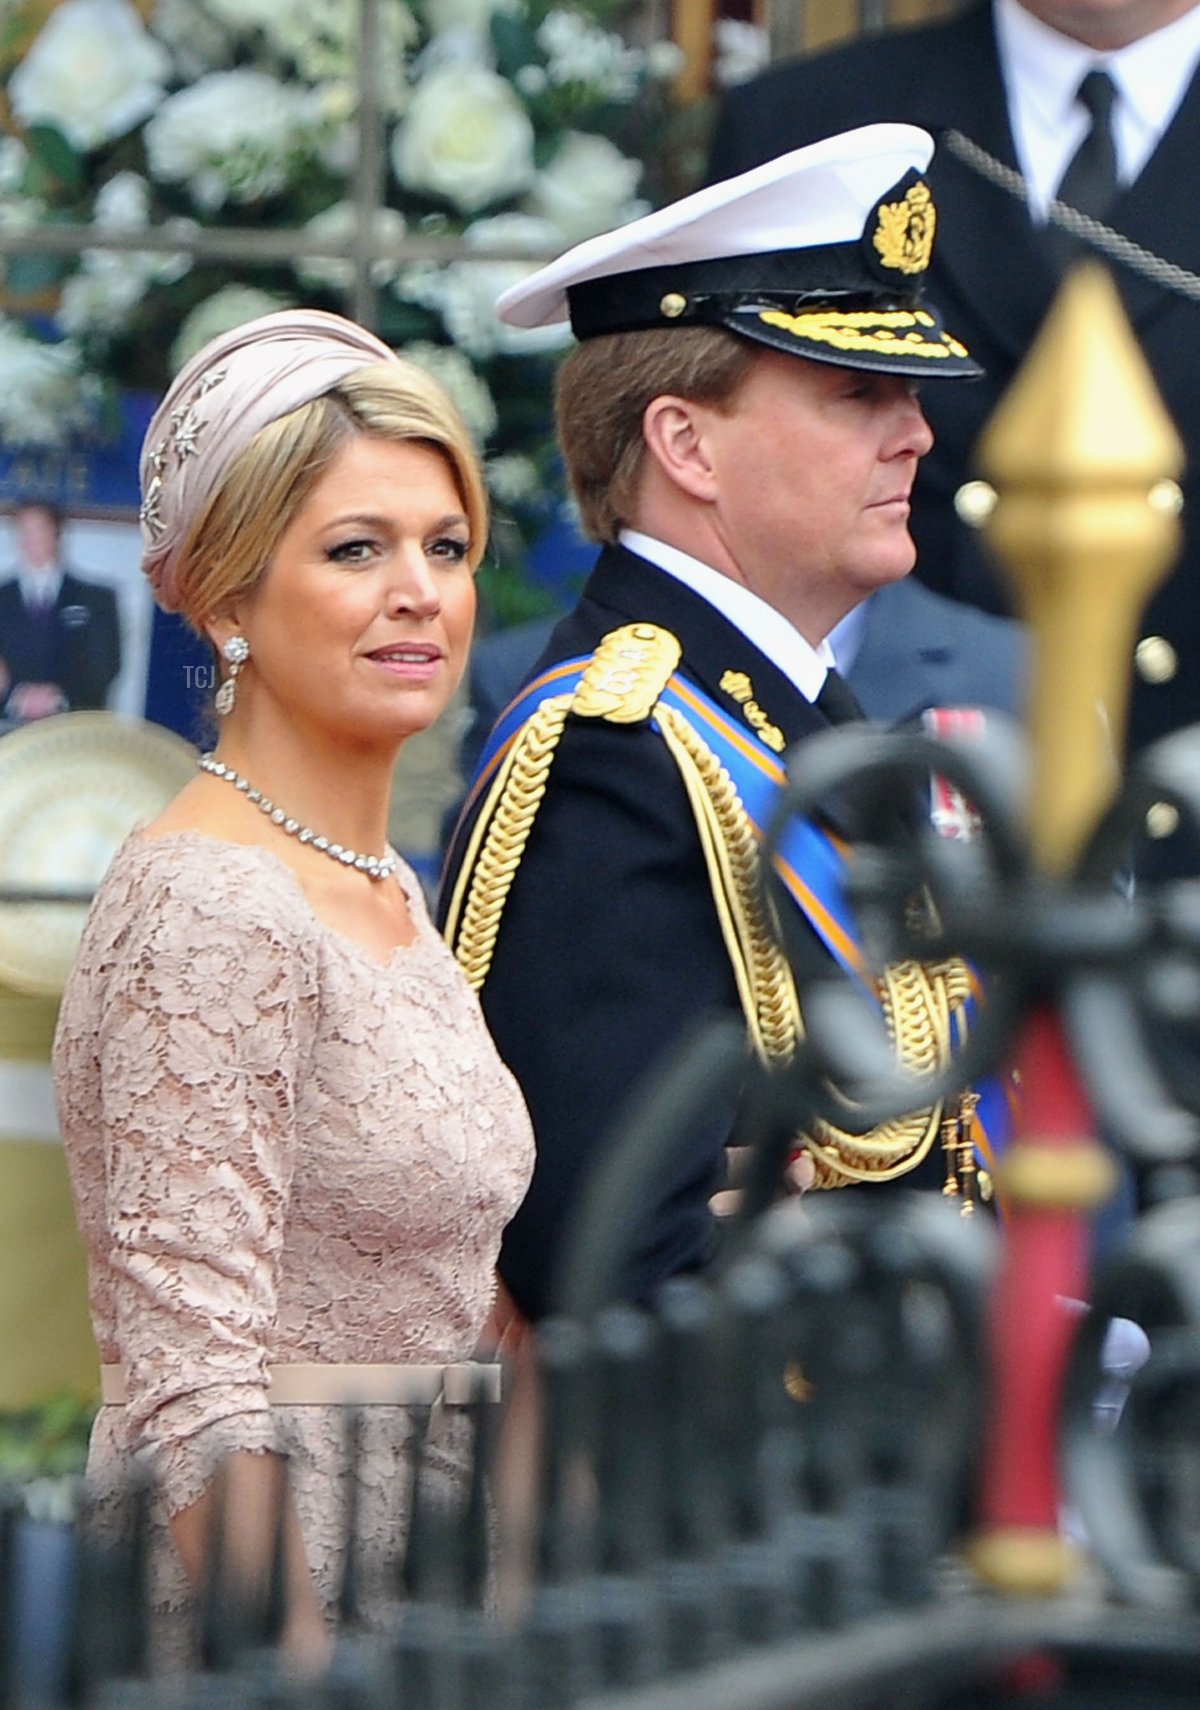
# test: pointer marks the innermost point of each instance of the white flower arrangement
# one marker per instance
(462, 380)
(742, 51)
(236, 136)
(579, 53)
(466, 291)
(93, 71)
(337, 222)
(225, 309)
(45, 396)
(514, 127)
(587, 187)
(465, 138)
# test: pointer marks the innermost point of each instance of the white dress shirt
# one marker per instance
(1042, 72)
(40, 588)
(800, 662)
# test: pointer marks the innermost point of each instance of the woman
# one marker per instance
(292, 1145)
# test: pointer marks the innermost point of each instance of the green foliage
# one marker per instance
(515, 41)
(47, 1441)
(54, 166)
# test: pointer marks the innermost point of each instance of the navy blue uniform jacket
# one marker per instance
(609, 947)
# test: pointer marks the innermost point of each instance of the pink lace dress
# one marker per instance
(280, 1150)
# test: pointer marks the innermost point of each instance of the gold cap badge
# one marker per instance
(904, 235)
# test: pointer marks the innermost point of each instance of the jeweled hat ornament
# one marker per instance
(820, 253)
(216, 404)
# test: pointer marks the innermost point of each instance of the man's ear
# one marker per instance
(675, 432)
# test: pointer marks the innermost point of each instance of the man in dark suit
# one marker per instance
(906, 649)
(742, 437)
(1009, 76)
(59, 634)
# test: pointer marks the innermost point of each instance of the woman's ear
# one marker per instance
(675, 432)
(220, 627)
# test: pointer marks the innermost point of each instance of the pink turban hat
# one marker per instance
(218, 402)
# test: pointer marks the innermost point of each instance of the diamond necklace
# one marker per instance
(374, 866)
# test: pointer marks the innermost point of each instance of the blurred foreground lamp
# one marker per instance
(1084, 461)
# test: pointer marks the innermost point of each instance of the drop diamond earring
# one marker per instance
(236, 650)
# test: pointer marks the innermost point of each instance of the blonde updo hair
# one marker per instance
(227, 550)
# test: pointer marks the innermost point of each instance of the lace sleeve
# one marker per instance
(208, 1015)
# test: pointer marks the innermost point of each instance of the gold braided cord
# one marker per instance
(920, 1001)
(917, 999)
(764, 980)
(715, 859)
(916, 1011)
(509, 814)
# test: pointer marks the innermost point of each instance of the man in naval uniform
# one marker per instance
(741, 428)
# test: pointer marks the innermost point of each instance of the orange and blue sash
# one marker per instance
(809, 860)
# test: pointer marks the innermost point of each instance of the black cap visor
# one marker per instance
(893, 338)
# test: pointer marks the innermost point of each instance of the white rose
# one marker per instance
(467, 297)
(467, 389)
(234, 136)
(588, 187)
(338, 224)
(102, 296)
(123, 203)
(335, 105)
(227, 308)
(168, 266)
(320, 37)
(197, 42)
(466, 137)
(512, 479)
(45, 392)
(579, 52)
(665, 59)
(532, 81)
(421, 282)
(742, 50)
(93, 72)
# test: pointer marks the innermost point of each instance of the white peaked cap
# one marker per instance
(845, 221)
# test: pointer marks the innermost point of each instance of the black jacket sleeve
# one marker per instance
(609, 950)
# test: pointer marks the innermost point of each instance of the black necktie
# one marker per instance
(837, 700)
(1090, 181)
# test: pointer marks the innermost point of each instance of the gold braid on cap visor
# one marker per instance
(878, 331)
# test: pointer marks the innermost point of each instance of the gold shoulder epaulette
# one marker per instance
(627, 673)
(622, 682)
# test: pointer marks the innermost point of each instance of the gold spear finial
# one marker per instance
(1081, 452)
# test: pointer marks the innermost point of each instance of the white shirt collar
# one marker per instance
(845, 639)
(1042, 70)
(768, 630)
(42, 587)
